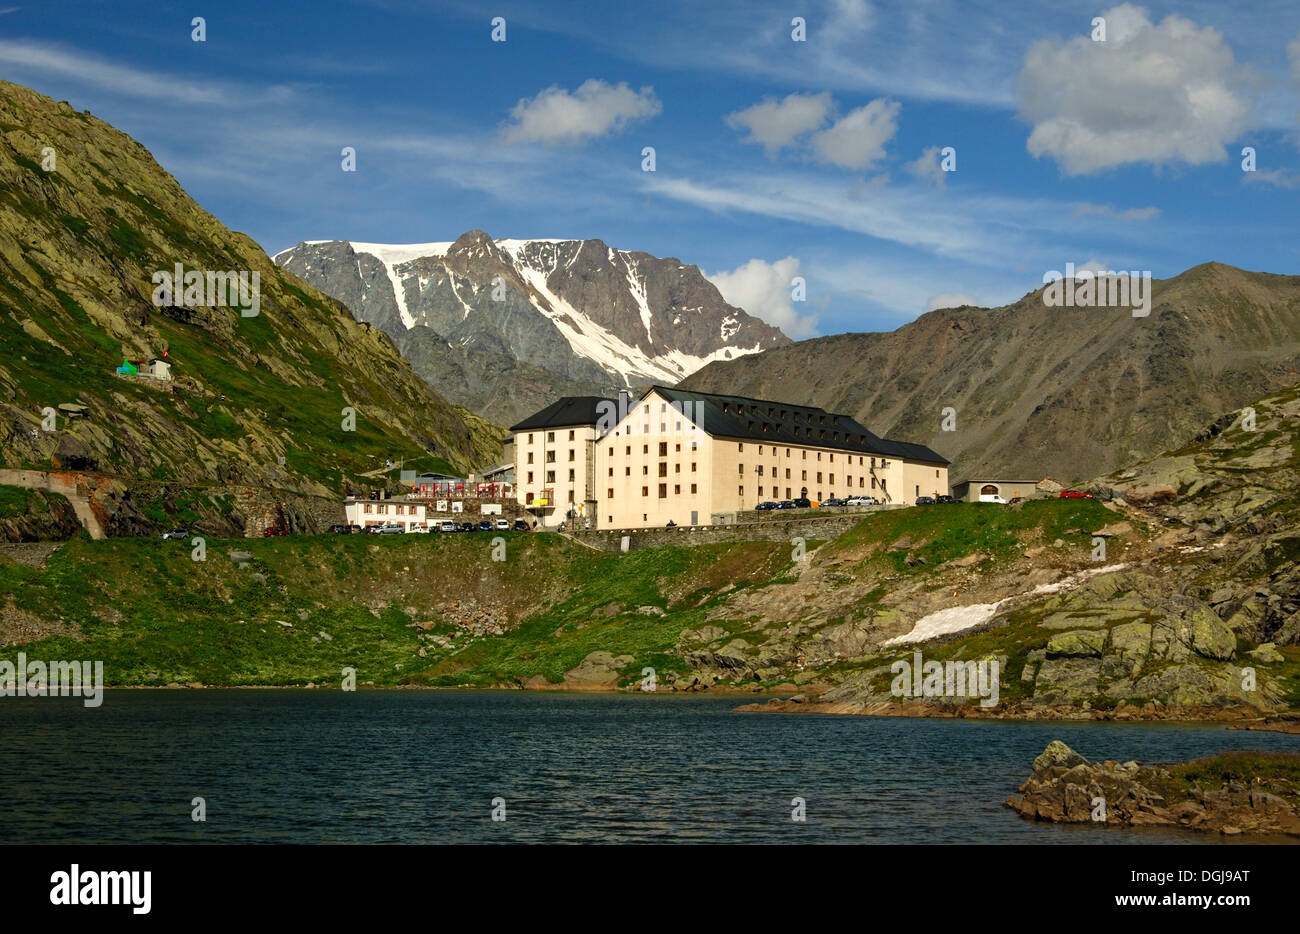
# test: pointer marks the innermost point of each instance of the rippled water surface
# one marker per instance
(423, 767)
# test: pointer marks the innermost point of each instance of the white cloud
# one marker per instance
(1157, 94)
(775, 124)
(857, 140)
(558, 117)
(133, 82)
(949, 300)
(764, 290)
(914, 217)
(1086, 209)
(1275, 177)
(926, 167)
(851, 16)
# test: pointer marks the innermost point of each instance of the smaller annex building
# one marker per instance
(976, 491)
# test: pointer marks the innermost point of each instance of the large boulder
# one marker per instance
(1058, 753)
(1131, 645)
(1079, 643)
(1210, 636)
(1067, 680)
(597, 672)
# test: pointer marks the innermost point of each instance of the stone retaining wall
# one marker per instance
(808, 527)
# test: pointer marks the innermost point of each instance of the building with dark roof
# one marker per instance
(695, 458)
(554, 458)
(567, 412)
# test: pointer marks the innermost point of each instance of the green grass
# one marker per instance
(1281, 770)
(154, 616)
(947, 532)
(18, 501)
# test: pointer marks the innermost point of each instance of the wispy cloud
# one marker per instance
(1277, 178)
(47, 59)
(1086, 209)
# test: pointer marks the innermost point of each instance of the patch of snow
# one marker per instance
(1075, 580)
(953, 619)
(592, 341)
(637, 288)
(393, 254)
(960, 618)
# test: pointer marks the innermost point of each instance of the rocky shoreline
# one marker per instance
(1232, 793)
(1245, 717)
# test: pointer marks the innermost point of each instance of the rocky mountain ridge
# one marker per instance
(1027, 391)
(506, 326)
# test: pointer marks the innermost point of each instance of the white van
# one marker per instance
(992, 498)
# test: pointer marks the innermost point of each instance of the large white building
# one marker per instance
(698, 458)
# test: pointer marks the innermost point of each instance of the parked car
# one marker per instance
(1014, 500)
(419, 529)
(521, 525)
(392, 529)
(1075, 494)
(485, 526)
(178, 534)
(993, 498)
(861, 501)
(446, 525)
(462, 527)
(270, 533)
(801, 503)
(501, 525)
(340, 529)
(945, 498)
(833, 501)
(925, 501)
(764, 507)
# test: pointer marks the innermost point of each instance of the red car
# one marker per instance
(1075, 494)
(270, 532)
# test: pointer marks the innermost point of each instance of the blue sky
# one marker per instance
(774, 158)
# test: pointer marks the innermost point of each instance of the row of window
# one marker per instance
(776, 413)
(528, 497)
(884, 462)
(776, 490)
(399, 510)
(550, 436)
(550, 456)
(663, 491)
(550, 476)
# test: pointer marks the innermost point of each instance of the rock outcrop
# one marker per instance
(1233, 793)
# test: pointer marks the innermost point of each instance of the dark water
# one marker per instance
(421, 767)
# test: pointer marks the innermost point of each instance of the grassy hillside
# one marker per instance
(155, 616)
(256, 401)
(437, 610)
